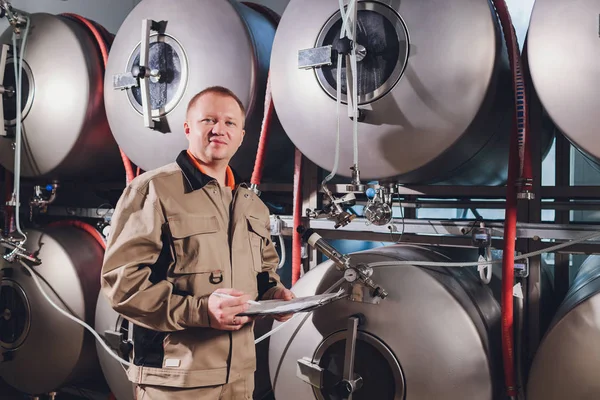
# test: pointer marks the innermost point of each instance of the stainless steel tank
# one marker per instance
(195, 44)
(563, 51)
(117, 333)
(66, 134)
(44, 350)
(436, 336)
(434, 85)
(566, 363)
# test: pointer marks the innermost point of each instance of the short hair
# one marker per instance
(216, 90)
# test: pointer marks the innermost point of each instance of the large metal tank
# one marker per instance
(44, 350)
(436, 336)
(117, 334)
(566, 363)
(563, 51)
(198, 44)
(435, 87)
(65, 130)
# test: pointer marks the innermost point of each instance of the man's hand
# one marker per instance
(222, 311)
(283, 294)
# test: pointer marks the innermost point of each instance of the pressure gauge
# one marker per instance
(351, 275)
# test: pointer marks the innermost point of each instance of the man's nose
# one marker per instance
(219, 128)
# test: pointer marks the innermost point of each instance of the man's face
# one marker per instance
(214, 128)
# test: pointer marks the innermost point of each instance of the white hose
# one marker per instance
(336, 159)
(485, 273)
(344, 31)
(71, 317)
(354, 87)
(19, 124)
(272, 331)
(282, 257)
(550, 249)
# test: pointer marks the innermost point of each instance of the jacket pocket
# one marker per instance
(258, 235)
(197, 246)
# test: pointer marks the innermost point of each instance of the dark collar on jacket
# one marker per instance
(194, 178)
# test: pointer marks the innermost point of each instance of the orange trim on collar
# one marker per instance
(229, 178)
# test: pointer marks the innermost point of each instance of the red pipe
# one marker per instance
(297, 215)
(82, 225)
(104, 51)
(8, 210)
(519, 173)
(264, 137)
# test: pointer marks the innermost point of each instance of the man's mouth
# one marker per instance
(217, 141)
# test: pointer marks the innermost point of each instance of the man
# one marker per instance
(182, 236)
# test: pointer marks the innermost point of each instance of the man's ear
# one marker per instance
(186, 128)
(243, 134)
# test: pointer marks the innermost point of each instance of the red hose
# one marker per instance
(297, 215)
(8, 210)
(519, 172)
(264, 138)
(104, 51)
(508, 270)
(82, 225)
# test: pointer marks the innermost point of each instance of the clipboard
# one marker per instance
(299, 304)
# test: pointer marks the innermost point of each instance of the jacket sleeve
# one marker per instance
(270, 263)
(128, 279)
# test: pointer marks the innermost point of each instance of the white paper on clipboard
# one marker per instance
(299, 304)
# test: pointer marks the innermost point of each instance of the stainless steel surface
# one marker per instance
(566, 363)
(212, 42)
(563, 51)
(446, 119)
(434, 322)
(66, 134)
(56, 352)
(107, 320)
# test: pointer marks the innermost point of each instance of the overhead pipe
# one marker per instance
(259, 162)
(262, 142)
(297, 218)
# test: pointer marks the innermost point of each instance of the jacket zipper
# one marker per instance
(230, 243)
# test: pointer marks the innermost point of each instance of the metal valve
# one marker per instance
(17, 251)
(334, 209)
(358, 275)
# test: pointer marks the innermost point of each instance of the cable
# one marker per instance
(272, 331)
(282, 257)
(336, 159)
(73, 318)
(18, 66)
(485, 272)
(345, 16)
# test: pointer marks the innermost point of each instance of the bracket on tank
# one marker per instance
(141, 74)
(313, 374)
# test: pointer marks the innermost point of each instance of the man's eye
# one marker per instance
(230, 123)
(208, 120)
